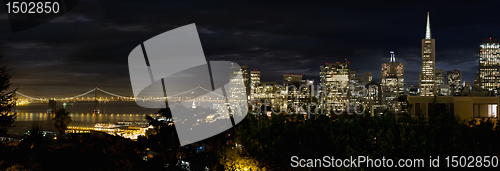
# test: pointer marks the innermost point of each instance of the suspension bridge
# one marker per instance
(210, 96)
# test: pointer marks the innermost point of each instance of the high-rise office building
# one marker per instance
(443, 90)
(254, 81)
(357, 90)
(454, 79)
(307, 88)
(392, 82)
(355, 86)
(373, 99)
(352, 74)
(334, 79)
(392, 77)
(236, 91)
(269, 91)
(291, 83)
(244, 73)
(440, 78)
(291, 79)
(427, 76)
(477, 80)
(297, 91)
(489, 64)
(367, 77)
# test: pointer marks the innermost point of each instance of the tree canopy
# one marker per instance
(7, 101)
(61, 120)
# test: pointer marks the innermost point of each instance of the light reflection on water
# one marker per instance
(81, 114)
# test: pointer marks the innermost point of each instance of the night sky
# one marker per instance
(89, 45)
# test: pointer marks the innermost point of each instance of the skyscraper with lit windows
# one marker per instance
(244, 80)
(289, 79)
(237, 90)
(254, 81)
(334, 79)
(454, 79)
(392, 82)
(392, 77)
(489, 64)
(440, 78)
(427, 76)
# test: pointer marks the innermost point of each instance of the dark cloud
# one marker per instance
(89, 46)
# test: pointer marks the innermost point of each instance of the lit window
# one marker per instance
(492, 110)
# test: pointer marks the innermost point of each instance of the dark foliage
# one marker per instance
(273, 141)
(7, 102)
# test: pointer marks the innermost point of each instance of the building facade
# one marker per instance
(464, 107)
(291, 79)
(297, 91)
(243, 70)
(440, 78)
(477, 80)
(427, 76)
(392, 83)
(244, 80)
(254, 81)
(367, 77)
(334, 80)
(236, 90)
(269, 93)
(444, 90)
(373, 99)
(489, 64)
(356, 90)
(454, 79)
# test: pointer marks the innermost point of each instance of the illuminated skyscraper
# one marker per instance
(334, 77)
(254, 81)
(427, 76)
(292, 83)
(440, 80)
(355, 86)
(246, 79)
(291, 79)
(489, 64)
(392, 82)
(372, 99)
(244, 73)
(238, 91)
(454, 79)
(392, 77)
(268, 91)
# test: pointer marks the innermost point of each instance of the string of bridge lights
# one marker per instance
(112, 94)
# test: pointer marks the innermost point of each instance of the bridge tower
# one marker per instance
(96, 109)
(14, 97)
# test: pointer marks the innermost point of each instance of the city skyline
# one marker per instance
(95, 54)
(227, 85)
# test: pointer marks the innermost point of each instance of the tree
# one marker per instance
(61, 121)
(7, 102)
(34, 138)
(235, 159)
